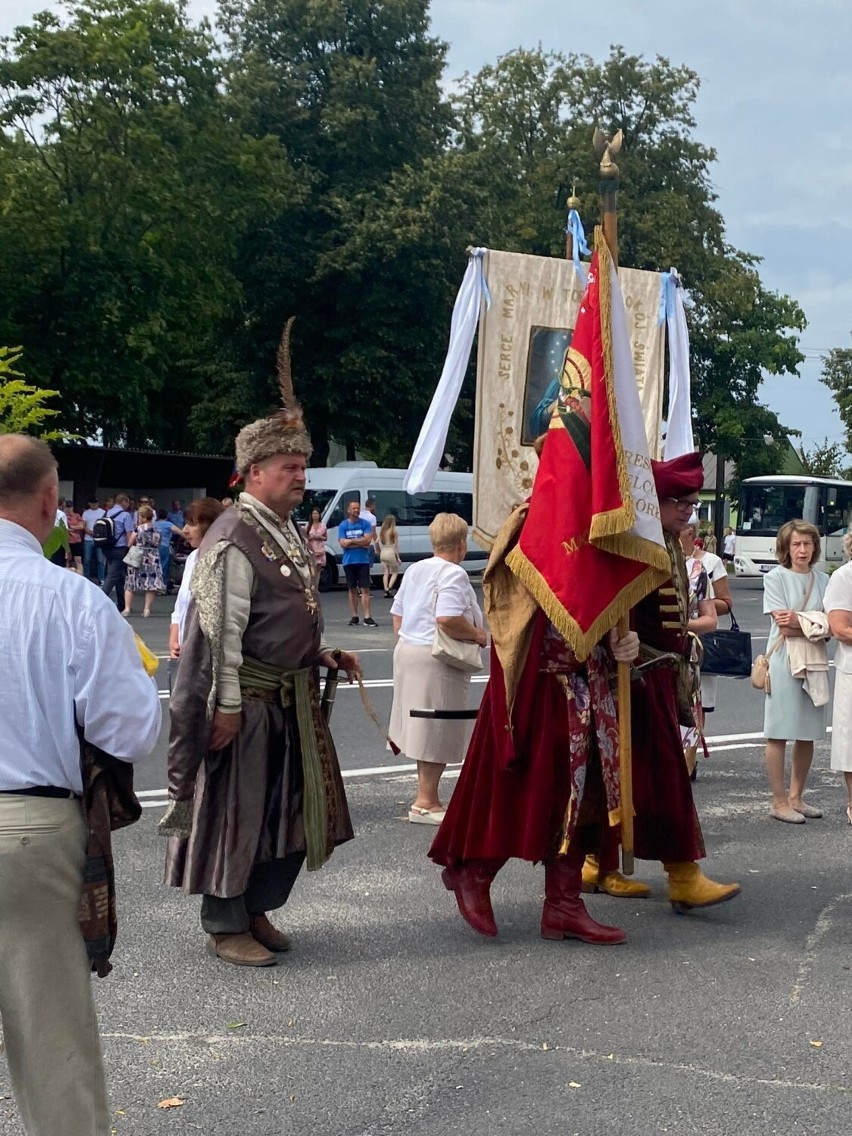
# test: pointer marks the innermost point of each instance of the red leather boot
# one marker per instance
(564, 915)
(471, 883)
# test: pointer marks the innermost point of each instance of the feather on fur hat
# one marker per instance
(283, 432)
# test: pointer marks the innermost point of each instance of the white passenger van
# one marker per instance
(330, 489)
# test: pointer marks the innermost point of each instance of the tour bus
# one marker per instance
(766, 503)
(330, 489)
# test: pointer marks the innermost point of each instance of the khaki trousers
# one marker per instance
(46, 1003)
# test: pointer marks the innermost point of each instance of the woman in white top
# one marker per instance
(433, 591)
(838, 605)
(198, 518)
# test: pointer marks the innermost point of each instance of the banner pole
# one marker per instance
(605, 148)
(625, 758)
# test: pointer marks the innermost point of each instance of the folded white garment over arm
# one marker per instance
(808, 657)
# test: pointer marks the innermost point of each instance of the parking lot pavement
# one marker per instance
(390, 1016)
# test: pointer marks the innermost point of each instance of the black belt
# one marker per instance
(41, 791)
(446, 715)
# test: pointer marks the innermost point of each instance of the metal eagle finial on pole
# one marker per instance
(605, 148)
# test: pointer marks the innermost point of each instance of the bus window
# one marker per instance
(339, 511)
(390, 501)
(419, 510)
(313, 499)
(836, 509)
(765, 508)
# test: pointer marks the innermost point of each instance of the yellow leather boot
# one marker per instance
(689, 887)
(612, 883)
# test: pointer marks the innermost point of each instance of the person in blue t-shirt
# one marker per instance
(356, 538)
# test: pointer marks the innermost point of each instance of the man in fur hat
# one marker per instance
(254, 779)
(666, 826)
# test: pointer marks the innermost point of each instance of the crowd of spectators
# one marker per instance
(105, 556)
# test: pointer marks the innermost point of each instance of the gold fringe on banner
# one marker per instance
(581, 642)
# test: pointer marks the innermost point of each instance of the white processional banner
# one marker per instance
(523, 337)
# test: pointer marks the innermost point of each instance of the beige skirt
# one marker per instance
(423, 683)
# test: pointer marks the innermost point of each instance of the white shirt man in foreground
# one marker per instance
(64, 652)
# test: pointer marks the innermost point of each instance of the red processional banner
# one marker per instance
(592, 545)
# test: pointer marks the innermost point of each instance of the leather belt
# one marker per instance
(41, 791)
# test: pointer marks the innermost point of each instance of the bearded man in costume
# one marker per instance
(254, 779)
(666, 825)
(540, 781)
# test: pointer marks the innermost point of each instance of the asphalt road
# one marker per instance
(391, 1016)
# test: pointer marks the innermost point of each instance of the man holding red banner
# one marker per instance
(541, 778)
(540, 781)
(666, 825)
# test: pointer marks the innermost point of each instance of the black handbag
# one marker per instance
(727, 653)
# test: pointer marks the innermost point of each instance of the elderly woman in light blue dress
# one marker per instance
(790, 714)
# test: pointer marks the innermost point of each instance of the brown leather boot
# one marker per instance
(268, 936)
(471, 883)
(564, 915)
(240, 949)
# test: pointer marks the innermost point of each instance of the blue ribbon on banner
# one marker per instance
(669, 281)
(478, 254)
(574, 226)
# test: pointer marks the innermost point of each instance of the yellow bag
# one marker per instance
(149, 660)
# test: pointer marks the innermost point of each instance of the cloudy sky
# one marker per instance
(774, 102)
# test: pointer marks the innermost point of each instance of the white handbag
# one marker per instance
(133, 559)
(457, 653)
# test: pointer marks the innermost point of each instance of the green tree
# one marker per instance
(22, 407)
(826, 459)
(126, 188)
(530, 118)
(351, 89)
(837, 376)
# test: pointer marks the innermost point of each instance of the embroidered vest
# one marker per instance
(660, 619)
(285, 624)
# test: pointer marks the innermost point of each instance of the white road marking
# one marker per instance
(373, 650)
(157, 799)
(736, 745)
(487, 1044)
(369, 684)
(824, 924)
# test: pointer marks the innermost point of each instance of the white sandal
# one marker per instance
(426, 816)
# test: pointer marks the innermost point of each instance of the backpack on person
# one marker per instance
(103, 532)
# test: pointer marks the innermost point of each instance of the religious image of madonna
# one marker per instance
(545, 357)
